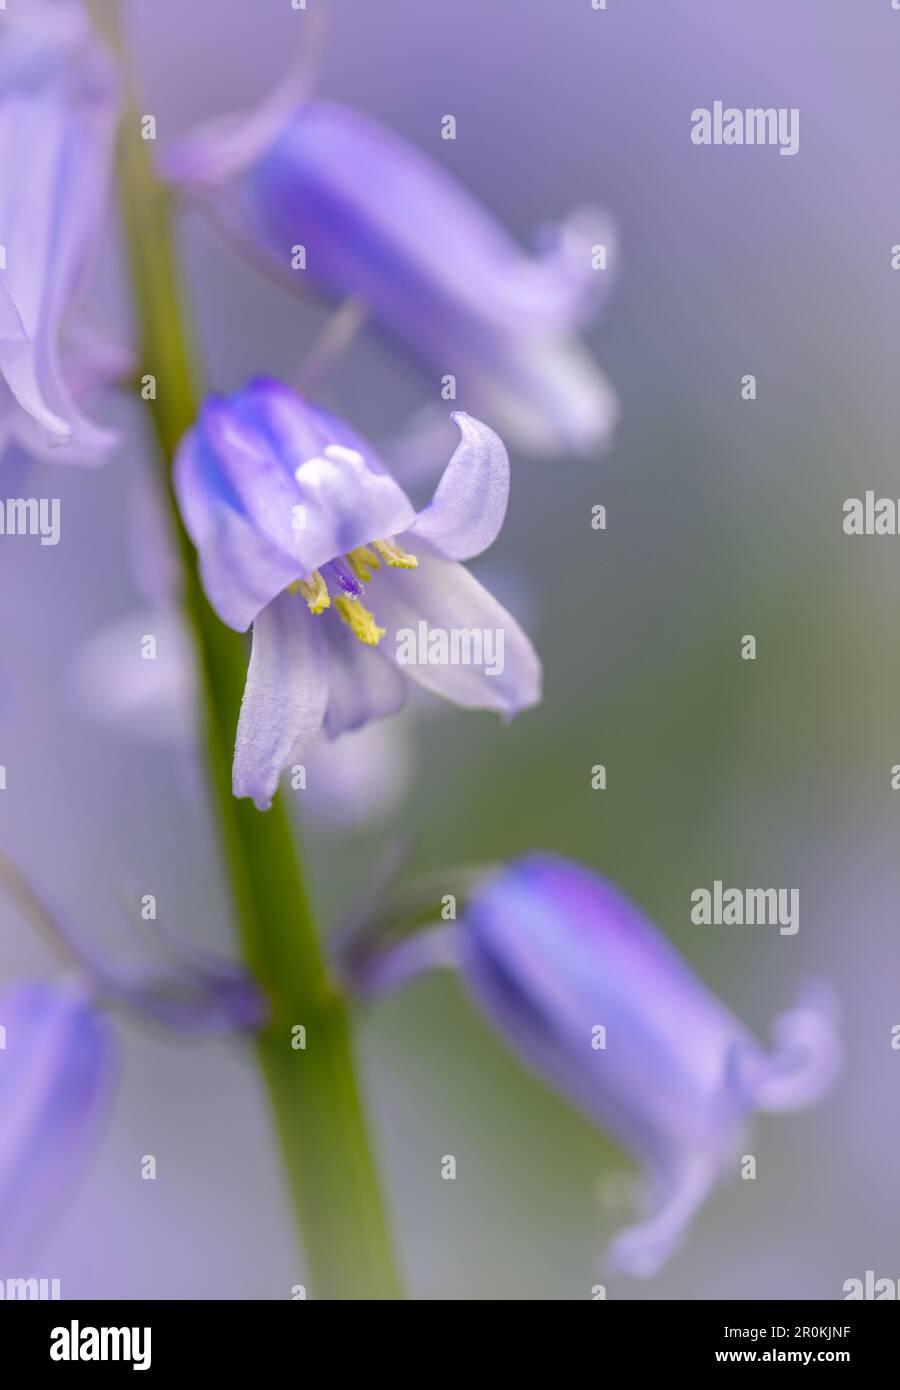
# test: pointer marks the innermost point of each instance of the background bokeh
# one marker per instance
(724, 519)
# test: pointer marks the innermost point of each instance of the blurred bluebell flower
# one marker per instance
(59, 1058)
(58, 110)
(329, 200)
(58, 1065)
(294, 517)
(594, 999)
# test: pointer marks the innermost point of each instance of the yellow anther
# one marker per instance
(363, 561)
(359, 620)
(315, 591)
(394, 555)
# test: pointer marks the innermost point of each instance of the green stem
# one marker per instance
(313, 1090)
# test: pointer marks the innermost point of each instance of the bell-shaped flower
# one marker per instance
(299, 528)
(58, 1063)
(59, 1058)
(332, 202)
(58, 110)
(596, 1002)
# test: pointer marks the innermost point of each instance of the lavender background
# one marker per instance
(724, 519)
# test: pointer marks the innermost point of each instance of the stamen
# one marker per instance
(359, 620)
(351, 587)
(394, 554)
(364, 561)
(315, 591)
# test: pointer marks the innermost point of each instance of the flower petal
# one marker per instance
(581, 256)
(272, 488)
(347, 495)
(545, 393)
(466, 513)
(362, 685)
(284, 699)
(56, 142)
(442, 597)
(642, 1250)
(806, 1059)
(241, 568)
(57, 1070)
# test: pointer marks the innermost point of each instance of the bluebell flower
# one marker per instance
(58, 111)
(299, 527)
(59, 1059)
(58, 1065)
(331, 202)
(595, 1001)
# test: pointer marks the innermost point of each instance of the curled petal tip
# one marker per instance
(469, 505)
(806, 1057)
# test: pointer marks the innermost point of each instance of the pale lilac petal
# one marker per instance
(89, 364)
(39, 36)
(284, 699)
(806, 1058)
(241, 568)
(225, 146)
(57, 1070)
(94, 356)
(55, 153)
(466, 513)
(445, 597)
(643, 1249)
(362, 684)
(270, 489)
(550, 395)
(570, 254)
(418, 451)
(347, 495)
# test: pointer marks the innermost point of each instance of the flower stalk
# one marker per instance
(313, 1089)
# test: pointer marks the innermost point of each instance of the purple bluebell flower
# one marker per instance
(297, 521)
(58, 110)
(59, 1059)
(596, 1002)
(378, 222)
(58, 1063)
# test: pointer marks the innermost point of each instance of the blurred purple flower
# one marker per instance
(292, 514)
(382, 224)
(59, 1060)
(58, 110)
(194, 992)
(58, 1063)
(594, 999)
